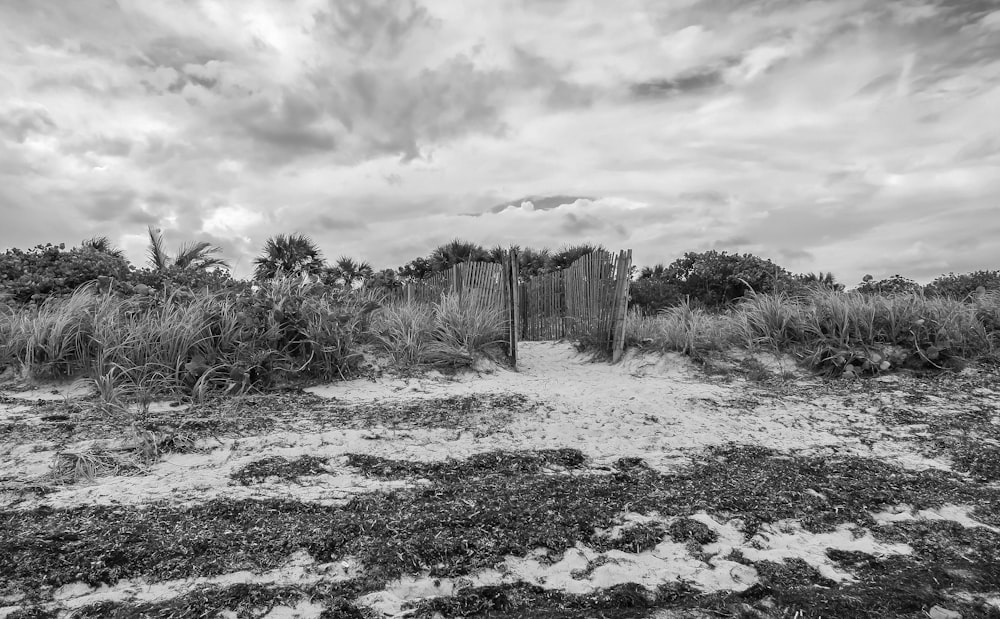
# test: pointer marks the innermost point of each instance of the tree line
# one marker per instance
(711, 278)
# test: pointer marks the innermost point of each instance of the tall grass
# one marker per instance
(452, 332)
(826, 328)
(186, 339)
(684, 328)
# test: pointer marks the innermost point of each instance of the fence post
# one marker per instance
(620, 306)
(512, 288)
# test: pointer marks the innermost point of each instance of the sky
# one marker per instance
(858, 137)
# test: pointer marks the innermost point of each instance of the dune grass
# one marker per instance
(188, 340)
(452, 332)
(841, 332)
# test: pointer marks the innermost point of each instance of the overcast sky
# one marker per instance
(852, 136)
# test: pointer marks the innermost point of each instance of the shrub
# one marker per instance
(716, 279)
(897, 284)
(964, 285)
(49, 270)
(650, 295)
(174, 278)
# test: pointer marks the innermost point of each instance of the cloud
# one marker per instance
(830, 135)
(20, 123)
(683, 84)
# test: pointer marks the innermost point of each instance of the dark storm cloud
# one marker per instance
(330, 222)
(20, 123)
(109, 205)
(367, 27)
(688, 83)
(290, 124)
(177, 52)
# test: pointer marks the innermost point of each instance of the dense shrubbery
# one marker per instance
(897, 284)
(33, 275)
(961, 286)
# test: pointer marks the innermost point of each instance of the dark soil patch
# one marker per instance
(283, 468)
(684, 530)
(252, 415)
(634, 538)
(980, 461)
(490, 463)
(476, 512)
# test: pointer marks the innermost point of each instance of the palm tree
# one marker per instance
(103, 244)
(348, 271)
(190, 256)
(456, 252)
(531, 262)
(822, 280)
(568, 255)
(655, 272)
(292, 254)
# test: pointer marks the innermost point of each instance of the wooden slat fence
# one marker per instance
(587, 300)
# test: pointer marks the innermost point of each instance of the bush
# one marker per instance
(716, 279)
(650, 295)
(897, 284)
(50, 270)
(962, 286)
(174, 278)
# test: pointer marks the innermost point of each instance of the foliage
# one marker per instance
(194, 256)
(685, 328)
(455, 252)
(532, 262)
(416, 269)
(567, 255)
(149, 281)
(103, 244)
(405, 331)
(192, 340)
(961, 286)
(347, 272)
(654, 291)
(819, 280)
(386, 279)
(31, 276)
(897, 284)
(291, 254)
(452, 332)
(717, 278)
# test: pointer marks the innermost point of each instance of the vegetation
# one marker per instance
(293, 254)
(191, 256)
(851, 333)
(186, 324)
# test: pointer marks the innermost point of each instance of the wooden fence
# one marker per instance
(587, 300)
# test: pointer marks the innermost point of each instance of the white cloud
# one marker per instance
(376, 126)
